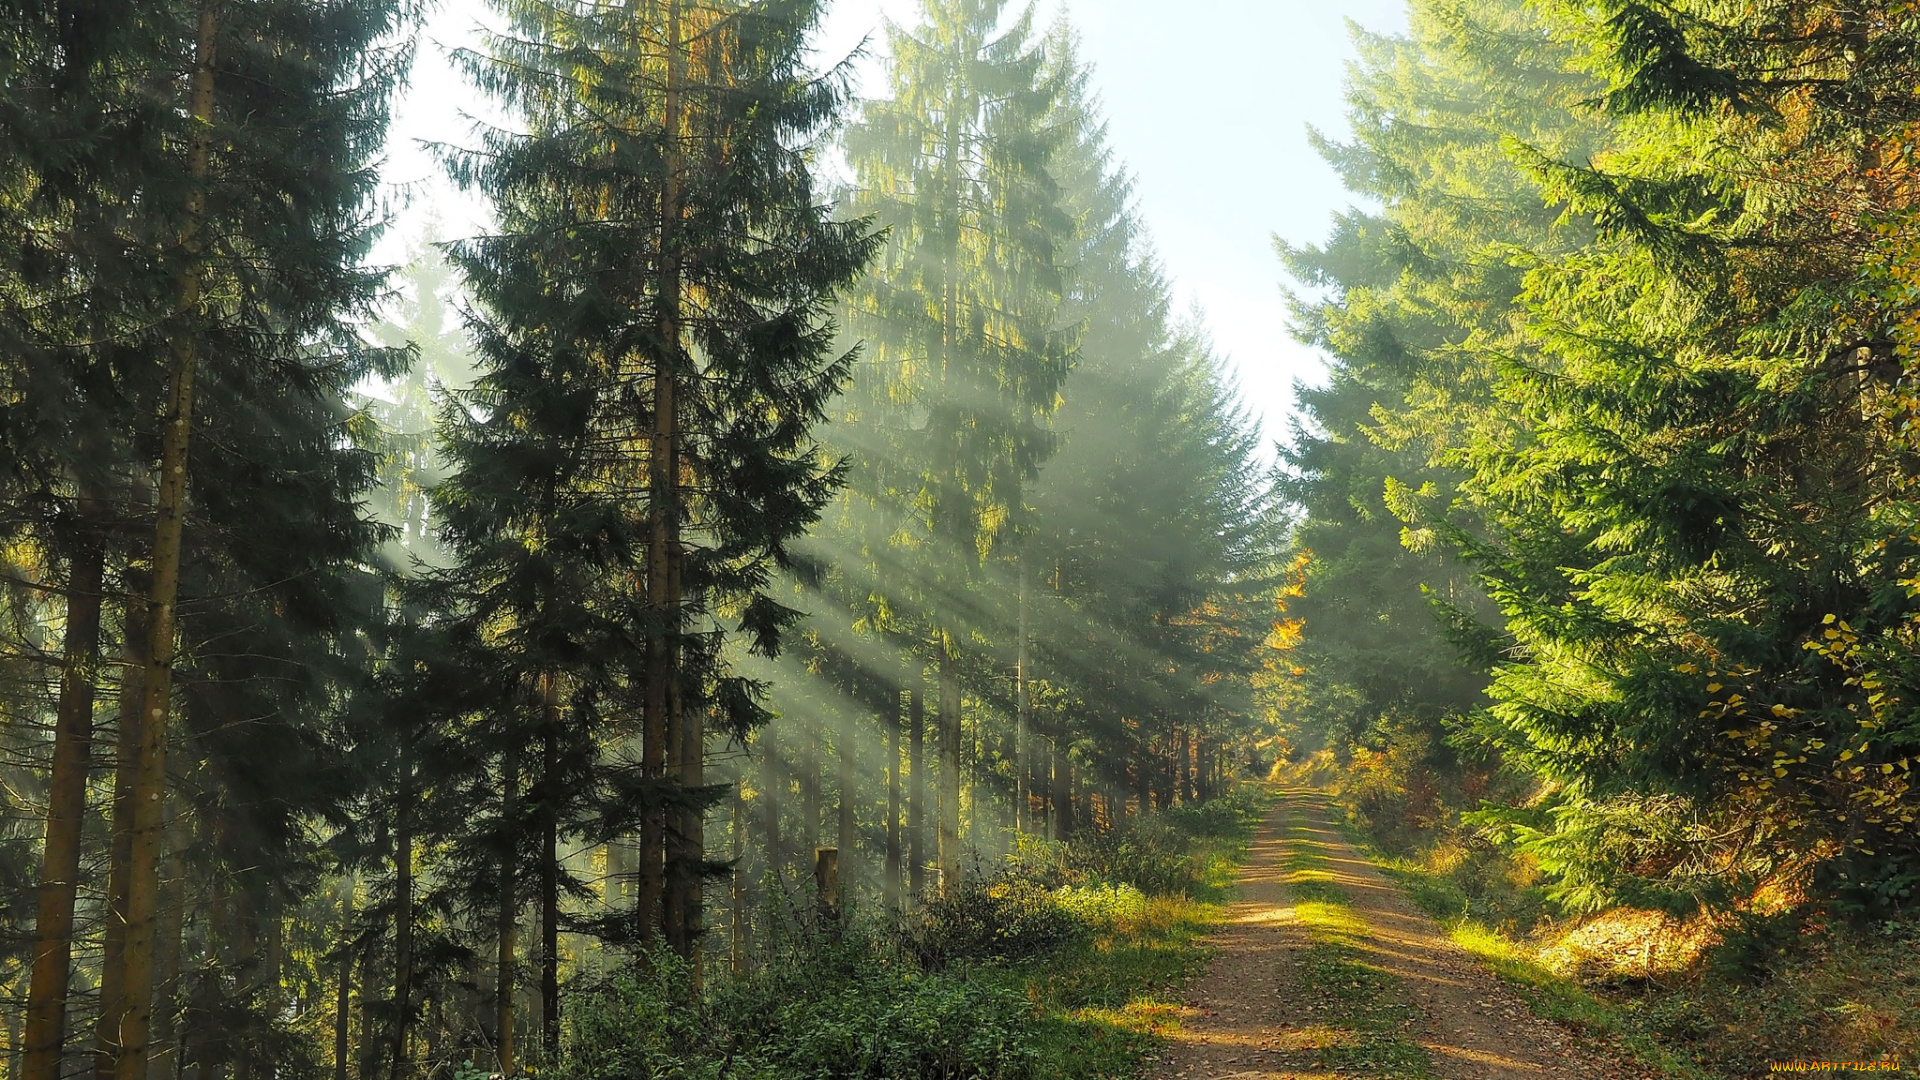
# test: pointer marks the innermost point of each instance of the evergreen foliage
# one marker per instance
(1639, 372)
(383, 654)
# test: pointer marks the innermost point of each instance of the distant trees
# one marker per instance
(962, 316)
(1056, 542)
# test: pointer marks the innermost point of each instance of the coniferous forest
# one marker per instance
(792, 597)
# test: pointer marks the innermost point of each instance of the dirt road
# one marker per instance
(1325, 969)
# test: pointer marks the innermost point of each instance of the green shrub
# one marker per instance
(1008, 917)
(1103, 905)
(1180, 852)
(838, 1011)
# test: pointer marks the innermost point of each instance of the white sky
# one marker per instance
(1208, 103)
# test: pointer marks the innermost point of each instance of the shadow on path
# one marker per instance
(1256, 1016)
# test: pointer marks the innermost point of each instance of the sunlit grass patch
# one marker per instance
(1437, 890)
(1105, 1002)
(1104, 905)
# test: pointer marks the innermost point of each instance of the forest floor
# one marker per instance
(1325, 969)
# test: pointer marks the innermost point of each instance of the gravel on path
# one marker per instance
(1255, 1015)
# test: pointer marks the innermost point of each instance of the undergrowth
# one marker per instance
(1802, 985)
(1056, 967)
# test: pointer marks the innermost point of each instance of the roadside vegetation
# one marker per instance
(1714, 994)
(1057, 965)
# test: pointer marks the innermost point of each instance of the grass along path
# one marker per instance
(1325, 969)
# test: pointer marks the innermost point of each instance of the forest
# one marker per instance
(794, 596)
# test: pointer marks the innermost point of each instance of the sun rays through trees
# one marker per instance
(403, 669)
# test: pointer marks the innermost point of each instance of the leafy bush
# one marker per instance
(1178, 852)
(1103, 905)
(1150, 855)
(842, 1012)
(1033, 973)
(1008, 917)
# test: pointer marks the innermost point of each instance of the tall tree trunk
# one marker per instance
(950, 734)
(402, 916)
(46, 1029)
(893, 806)
(847, 784)
(550, 872)
(509, 915)
(809, 791)
(343, 990)
(1023, 721)
(917, 772)
(663, 495)
(773, 780)
(163, 1062)
(113, 938)
(737, 921)
(150, 777)
(246, 967)
(370, 1042)
(1187, 789)
(1065, 779)
(688, 840)
(1143, 772)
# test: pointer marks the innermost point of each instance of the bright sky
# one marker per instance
(1208, 103)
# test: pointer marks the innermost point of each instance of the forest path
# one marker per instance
(1326, 970)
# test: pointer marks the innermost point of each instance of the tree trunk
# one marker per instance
(809, 791)
(246, 967)
(1023, 722)
(509, 914)
(949, 771)
(343, 990)
(46, 1028)
(113, 999)
(737, 921)
(772, 780)
(689, 841)
(163, 1062)
(369, 1029)
(402, 917)
(1064, 780)
(550, 873)
(917, 772)
(150, 777)
(892, 884)
(847, 785)
(663, 497)
(1143, 774)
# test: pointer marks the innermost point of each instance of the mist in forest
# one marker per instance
(736, 491)
(788, 538)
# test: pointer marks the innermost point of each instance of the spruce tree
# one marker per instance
(637, 455)
(1650, 387)
(963, 314)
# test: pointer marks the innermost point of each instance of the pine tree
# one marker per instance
(1671, 416)
(962, 313)
(637, 456)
